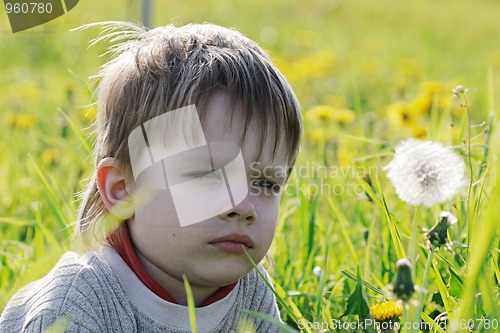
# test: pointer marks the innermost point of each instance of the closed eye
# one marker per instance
(205, 174)
(265, 183)
(196, 174)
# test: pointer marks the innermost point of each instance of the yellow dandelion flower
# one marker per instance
(316, 137)
(50, 156)
(432, 87)
(345, 155)
(386, 311)
(317, 65)
(422, 103)
(445, 102)
(419, 131)
(321, 113)
(20, 120)
(26, 90)
(10, 119)
(26, 120)
(319, 135)
(400, 114)
(88, 114)
(344, 116)
(328, 113)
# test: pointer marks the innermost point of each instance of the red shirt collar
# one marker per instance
(120, 241)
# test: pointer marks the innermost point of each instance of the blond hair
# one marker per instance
(155, 71)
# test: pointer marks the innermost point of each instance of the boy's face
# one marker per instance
(210, 252)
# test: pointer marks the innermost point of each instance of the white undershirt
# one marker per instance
(174, 315)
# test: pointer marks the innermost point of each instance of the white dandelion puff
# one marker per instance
(425, 172)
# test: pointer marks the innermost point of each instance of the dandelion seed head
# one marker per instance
(403, 287)
(450, 218)
(438, 235)
(425, 172)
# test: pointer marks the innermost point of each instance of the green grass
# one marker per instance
(360, 55)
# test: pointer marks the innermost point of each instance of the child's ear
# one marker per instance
(112, 185)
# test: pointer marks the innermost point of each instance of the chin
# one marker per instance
(223, 277)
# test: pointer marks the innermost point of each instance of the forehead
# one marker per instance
(224, 121)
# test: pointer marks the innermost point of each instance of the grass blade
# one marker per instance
(55, 204)
(430, 321)
(345, 234)
(87, 88)
(75, 129)
(190, 300)
(352, 276)
(393, 228)
(295, 316)
(14, 221)
(283, 327)
(443, 291)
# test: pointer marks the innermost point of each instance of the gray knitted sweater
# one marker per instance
(100, 293)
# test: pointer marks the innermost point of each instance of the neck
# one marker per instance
(174, 285)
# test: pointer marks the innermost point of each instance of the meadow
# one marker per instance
(368, 74)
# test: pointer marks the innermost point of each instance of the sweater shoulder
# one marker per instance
(79, 289)
(259, 286)
(259, 280)
(256, 295)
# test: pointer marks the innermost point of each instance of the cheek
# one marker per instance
(155, 229)
(267, 211)
(157, 211)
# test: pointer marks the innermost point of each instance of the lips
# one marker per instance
(233, 243)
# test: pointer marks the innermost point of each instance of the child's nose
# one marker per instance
(244, 211)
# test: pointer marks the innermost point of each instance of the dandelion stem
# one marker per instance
(469, 129)
(422, 286)
(413, 243)
(406, 313)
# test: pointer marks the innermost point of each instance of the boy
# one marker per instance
(182, 115)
